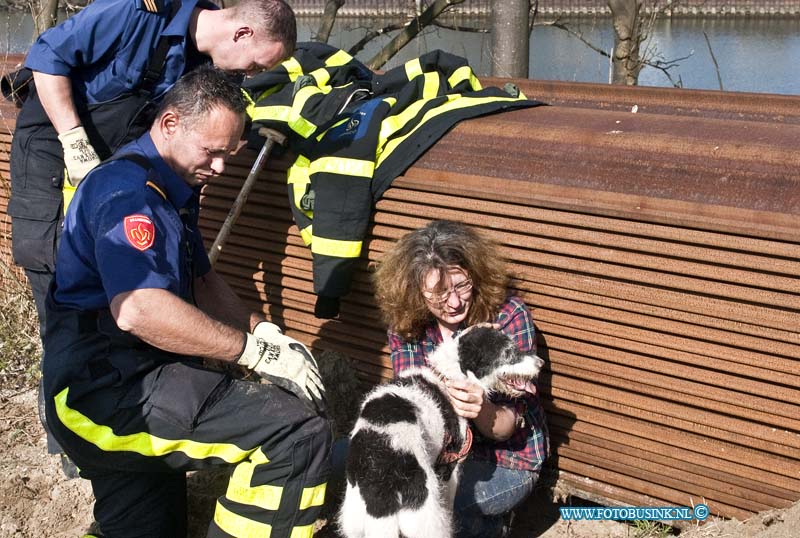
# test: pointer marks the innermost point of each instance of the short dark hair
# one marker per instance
(200, 90)
(273, 17)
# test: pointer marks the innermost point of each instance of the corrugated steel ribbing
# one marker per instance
(660, 254)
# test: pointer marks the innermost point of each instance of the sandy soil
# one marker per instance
(37, 500)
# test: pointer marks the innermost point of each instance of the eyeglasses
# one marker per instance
(461, 289)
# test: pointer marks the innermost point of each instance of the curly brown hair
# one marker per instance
(438, 246)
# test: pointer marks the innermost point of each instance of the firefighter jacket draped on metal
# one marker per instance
(353, 132)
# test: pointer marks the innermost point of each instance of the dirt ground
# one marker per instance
(38, 501)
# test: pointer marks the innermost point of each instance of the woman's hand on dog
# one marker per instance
(467, 396)
(496, 422)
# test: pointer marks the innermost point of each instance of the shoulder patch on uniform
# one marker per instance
(140, 231)
(152, 6)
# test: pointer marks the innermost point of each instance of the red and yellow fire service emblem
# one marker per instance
(140, 231)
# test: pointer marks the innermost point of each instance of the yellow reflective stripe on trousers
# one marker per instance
(343, 166)
(313, 496)
(335, 248)
(239, 526)
(464, 73)
(239, 490)
(413, 69)
(104, 438)
(455, 102)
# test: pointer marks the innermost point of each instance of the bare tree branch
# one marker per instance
(533, 13)
(45, 15)
(328, 18)
(410, 31)
(714, 59)
(661, 65)
(372, 34)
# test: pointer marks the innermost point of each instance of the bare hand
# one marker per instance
(467, 397)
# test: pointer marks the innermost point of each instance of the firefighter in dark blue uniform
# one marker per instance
(133, 310)
(98, 76)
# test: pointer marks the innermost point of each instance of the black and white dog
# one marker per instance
(408, 441)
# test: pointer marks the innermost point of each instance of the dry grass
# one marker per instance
(20, 346)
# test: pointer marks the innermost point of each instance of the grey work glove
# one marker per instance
(284, 362)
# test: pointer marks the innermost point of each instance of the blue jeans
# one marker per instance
(486, 494)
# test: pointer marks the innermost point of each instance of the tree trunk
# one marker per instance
(328, 18)
(510, 38)
(45, 15)
(628, 34)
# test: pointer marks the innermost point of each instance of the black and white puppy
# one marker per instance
(408, 441)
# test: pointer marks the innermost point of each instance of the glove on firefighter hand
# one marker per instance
(283, 361)
(79, 155)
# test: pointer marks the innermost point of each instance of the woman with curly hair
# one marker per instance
(435, 282)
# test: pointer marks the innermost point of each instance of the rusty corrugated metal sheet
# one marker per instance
(659, 251)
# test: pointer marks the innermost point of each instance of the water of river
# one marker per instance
(754, 54)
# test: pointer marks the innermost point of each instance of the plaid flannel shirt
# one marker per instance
(529, 446)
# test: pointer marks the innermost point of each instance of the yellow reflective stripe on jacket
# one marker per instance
(250, 103)
(321, 76)
(272, 112)
(313, 496)
(306, 234)
(337, 124)
(240, 526)
(335, 248)
(392, 124)
(413, 69)
(239, 490)
(298, 177)
(142, 443)
(293, 68)
(430, 88)
(297, 122)
(298, 172)
(285, 114)
(306, 531)
(338, 59)
(464, 73)
(343, 166)
(455, 101)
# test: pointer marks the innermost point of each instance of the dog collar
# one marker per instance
(449, 456)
